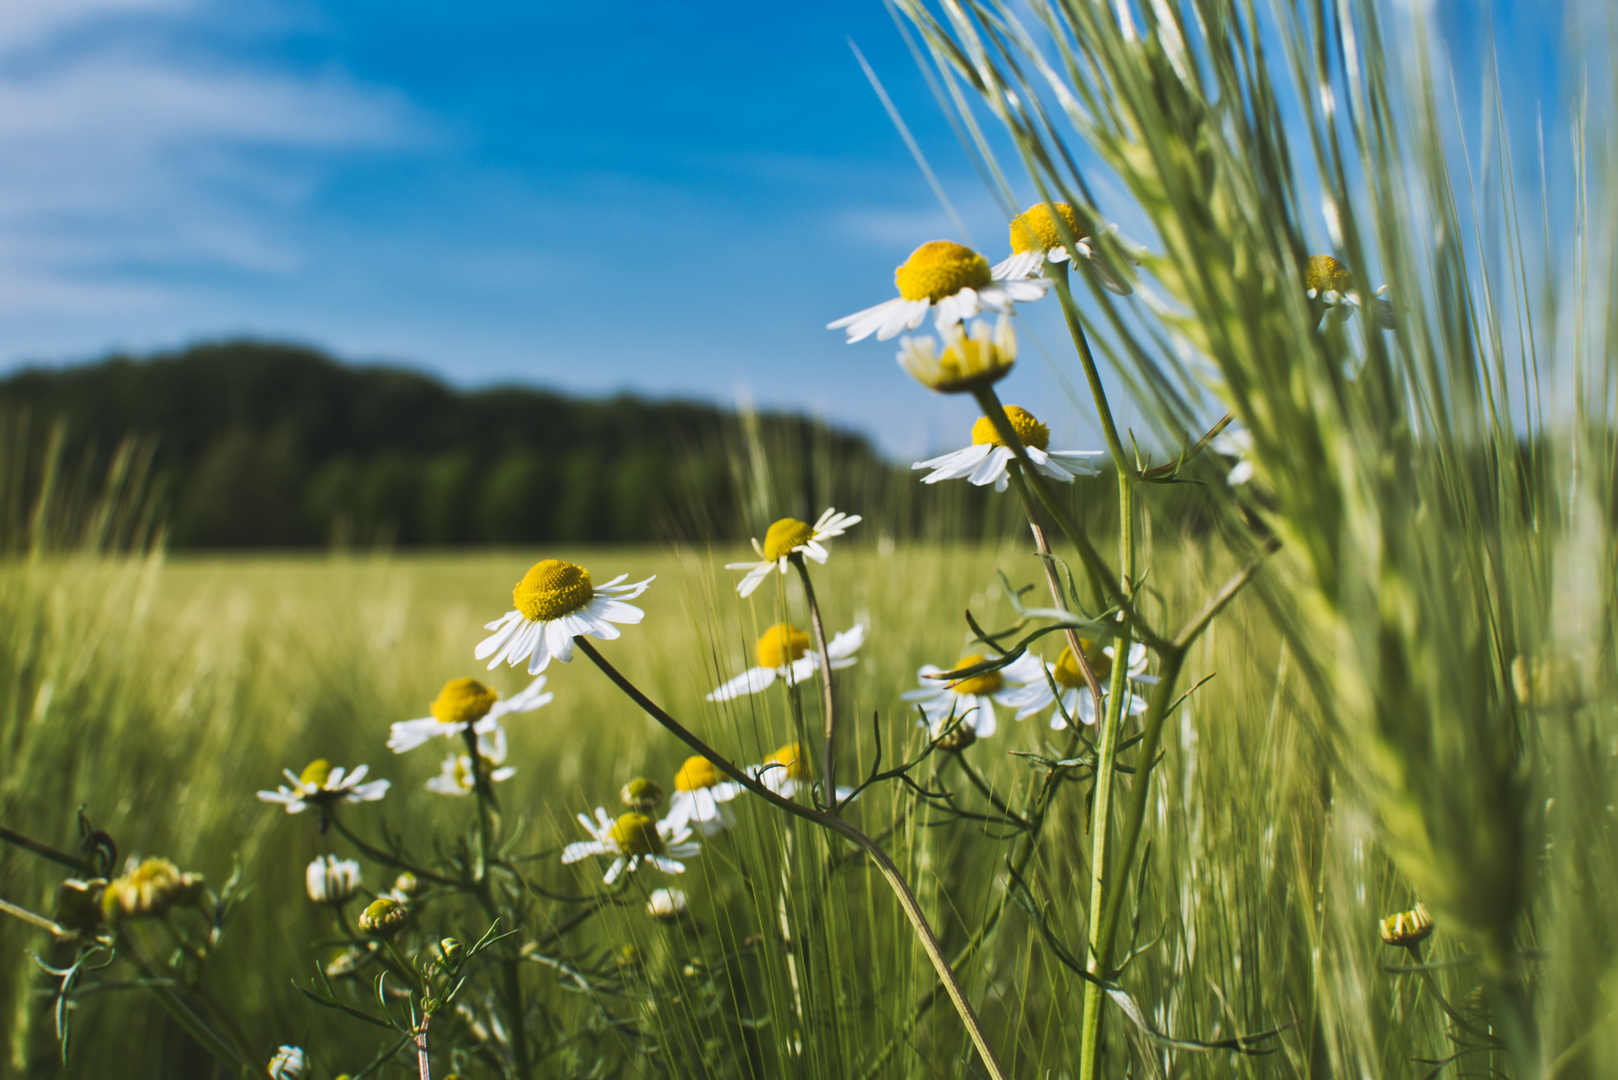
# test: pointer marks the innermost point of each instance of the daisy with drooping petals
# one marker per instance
(556, 602)
(321, 785)
(789, 537)
(456, 776)
(462, 703)
(1036, 239)
(969, 360)
(784, 653)
(985, 461)
(940, 274)
(699, 788)
(631, 840)
(969, 700)
(1076, 699)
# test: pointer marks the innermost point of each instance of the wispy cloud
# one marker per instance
(123, 150)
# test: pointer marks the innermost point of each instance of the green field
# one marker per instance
(160, 695)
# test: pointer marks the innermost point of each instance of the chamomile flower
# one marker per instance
(699, 788)
(941, 275)
(970, 700)
(456, 776)
(1235, 442)
(287, 1064)
(788, 768)
(321, 785)
(463, 702)
(1329, 283)
(1036, 239)
(784, 653)
(556, 602)
(969, 360)
(666, 905)
(1076, 699)
(630, 840)
(789, 537)
(331, 880)
(985, 461)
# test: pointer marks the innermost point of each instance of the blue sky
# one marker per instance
(672, 198)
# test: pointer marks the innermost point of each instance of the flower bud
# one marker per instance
(384, 918)
(666, 904)
(150, 889)
(287, 1064)
(405, 886)
(452, 951)
(1408, 927)
(641, 794)
(331, 880)
(78, 904)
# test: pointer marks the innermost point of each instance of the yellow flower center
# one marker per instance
(463, 772)
(1035, 229)
(315, 773)
(1067, 668)
(781, 645)
(790, 756)
(463, 701)
(988, 683)
(636, 834)
(784, 536)
(1325, 274)
(1030, 431)
(697, 773)
(551, 589)
(941, 268)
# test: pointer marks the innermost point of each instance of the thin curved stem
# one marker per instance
(829, 745)
(890, 872)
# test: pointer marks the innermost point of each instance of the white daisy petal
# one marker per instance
(750, 681)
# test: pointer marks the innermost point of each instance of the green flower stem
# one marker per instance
(1057, 273)
(27, 916)
(988, 793)
(387, 858)
(220, 1046)
(45, 851)
(829, 747)
(890, 872)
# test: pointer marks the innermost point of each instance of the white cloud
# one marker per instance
(120, 150)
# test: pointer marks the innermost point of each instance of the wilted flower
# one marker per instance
(789, 537)
(666, 904)
(942, 274)
(321, 785)
(784, 653)
(556, 602)
(967, 362)
(150, 888)
(631, 839)
(384, 918)
(331, 880)
(287, 1064)
(699, 788)
(463, 703)
(985, 461)
(1407, 928)
(641, 794)
(970, 700)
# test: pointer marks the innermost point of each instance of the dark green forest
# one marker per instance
(257, 444)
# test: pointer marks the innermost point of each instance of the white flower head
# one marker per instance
(464, 703)
(556, 602)
(789, 537)
(1075, 694)
(1037, 239)
(986, 460)
(941, 275)
(630, 840)
(456, 777)
(287, 1064)
(331, 880)
(666, 905)
(321, 784)
(1235, 442)
(788, 769)
(699, 789)
(970, 700)
(784, 653)
(965, 360)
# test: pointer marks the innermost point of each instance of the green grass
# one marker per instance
(161, 695)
